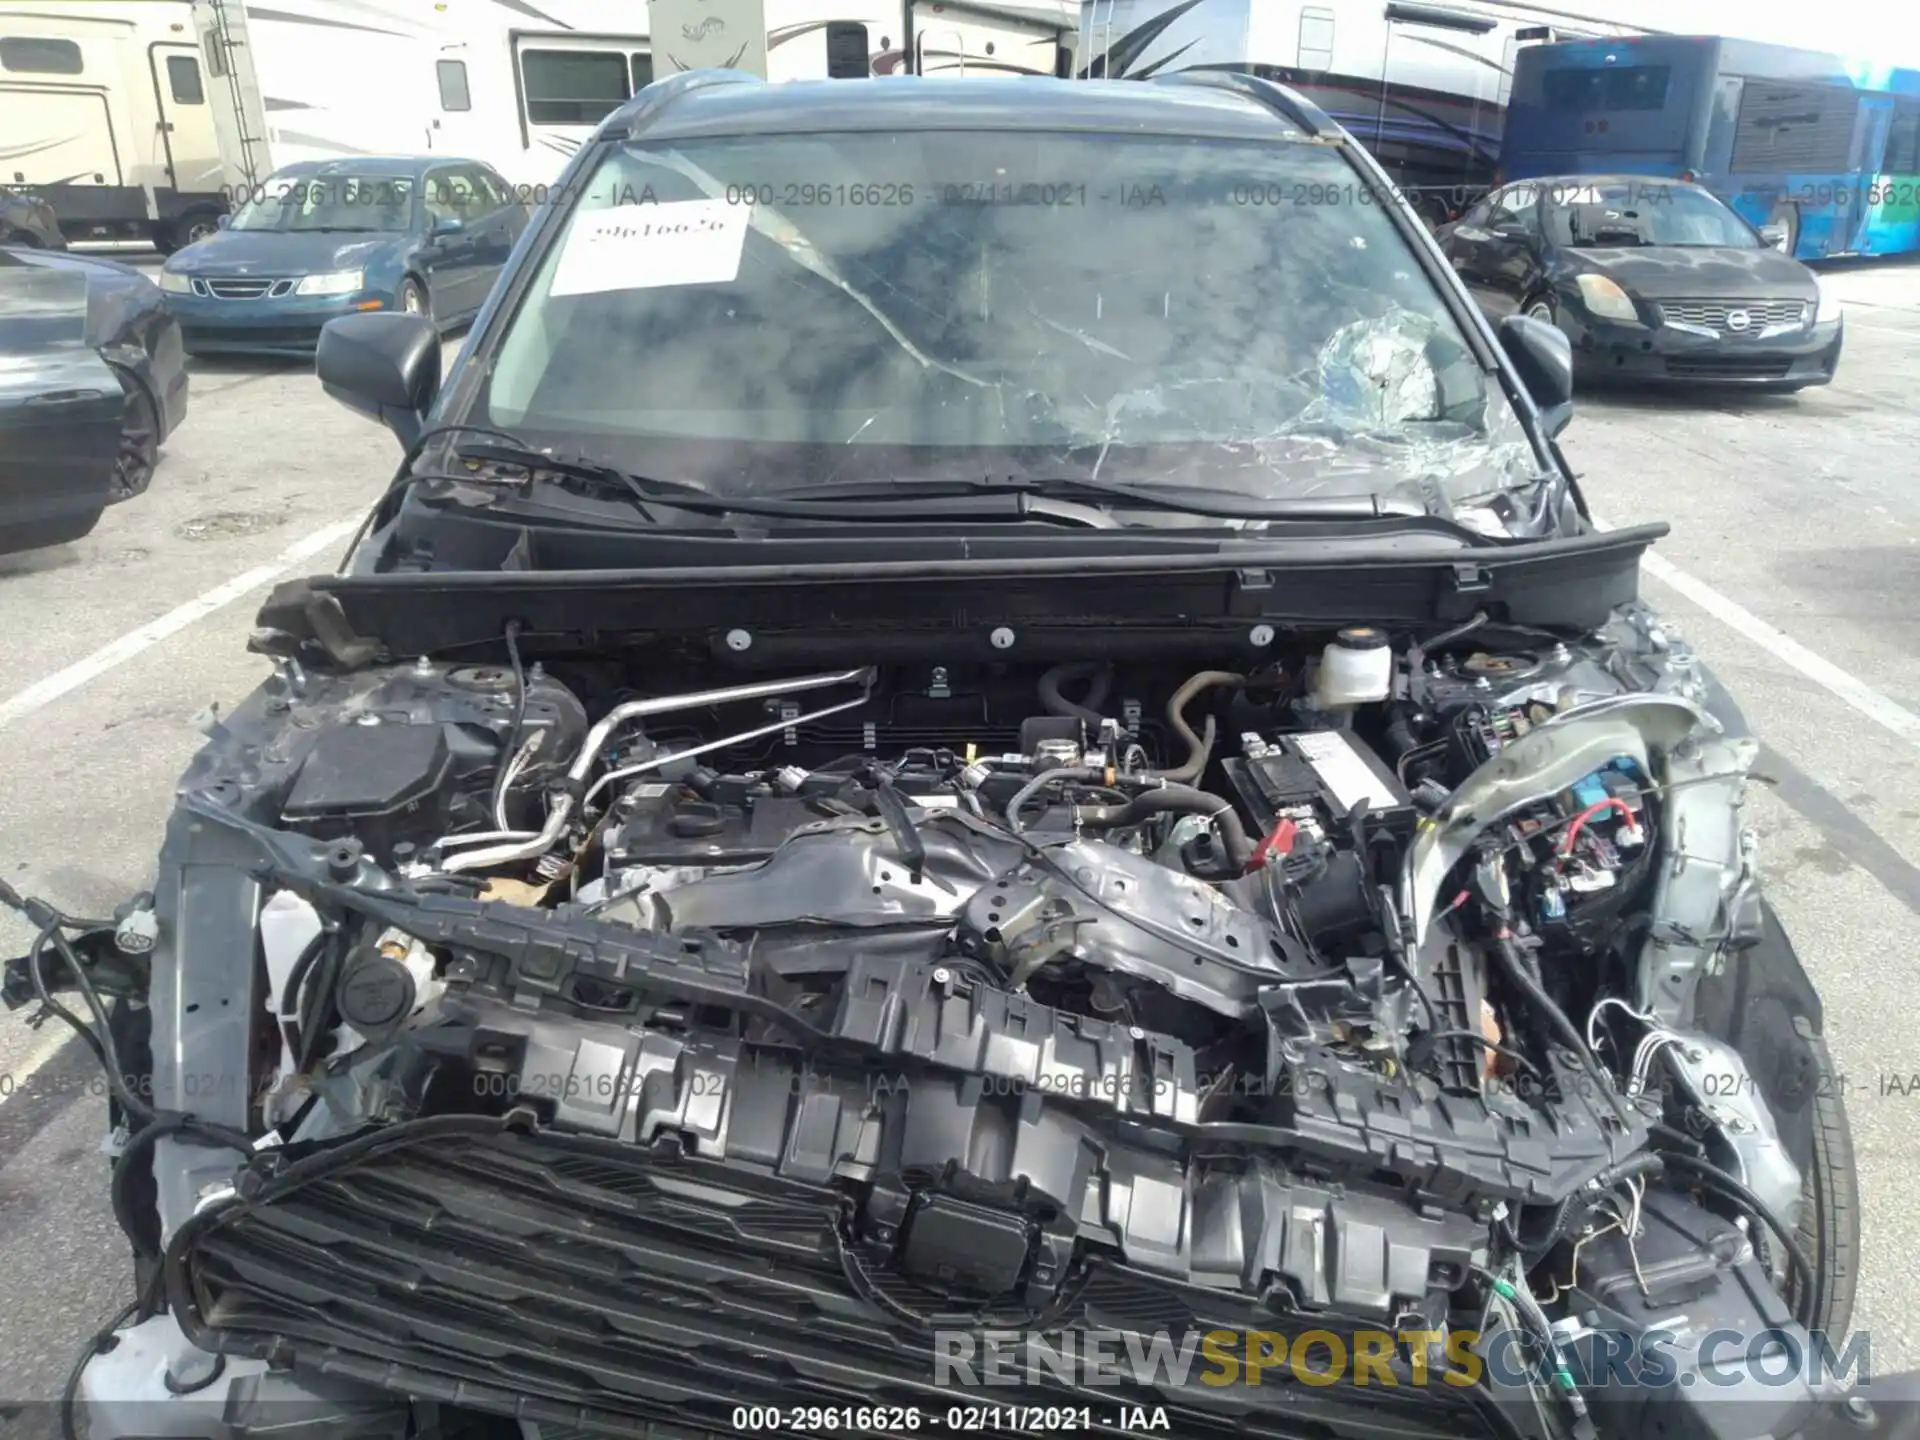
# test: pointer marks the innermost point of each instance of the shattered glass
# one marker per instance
(1238, 317)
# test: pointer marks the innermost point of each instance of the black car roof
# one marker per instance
(1218, 105)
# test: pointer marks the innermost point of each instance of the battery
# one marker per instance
(1327, 772)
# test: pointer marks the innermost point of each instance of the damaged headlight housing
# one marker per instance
(1605, 300)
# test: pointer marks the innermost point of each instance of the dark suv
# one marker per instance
(980, 773)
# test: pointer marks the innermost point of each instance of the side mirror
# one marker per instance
(223, 221)
(1774, 236)
(1543, 357)
(384, 365)
(448, 225)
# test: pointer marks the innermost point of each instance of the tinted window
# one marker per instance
(40, 57)
(848, 57)
(1903, 141)
(1604, 216)
(453, 84)
(183, 79)
(642, 72)
(573, 87)
(1309, 355)
(1612, 87)
(1794, 127)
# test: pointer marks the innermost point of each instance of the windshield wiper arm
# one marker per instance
(1209, 504)
(643, 491)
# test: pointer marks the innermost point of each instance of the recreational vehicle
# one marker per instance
(105, 111)
(1424, 86)
(143, 118)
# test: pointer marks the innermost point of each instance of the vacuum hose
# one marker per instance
(1199, 748)
(1099, 678)
(1174, 800)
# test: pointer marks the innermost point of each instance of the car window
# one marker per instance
(343, 202)
(1646, 214)
(499, 193)
(1067, 302)
(457, 192)
(1517, 205)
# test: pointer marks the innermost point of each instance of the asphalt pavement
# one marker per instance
(1794, 566)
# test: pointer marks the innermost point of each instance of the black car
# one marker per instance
(27, 221)
(93, 379)
(1652, 279)
(954, 733)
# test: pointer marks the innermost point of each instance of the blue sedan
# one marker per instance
(332, 237)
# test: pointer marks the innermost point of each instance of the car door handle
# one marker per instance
(66, 397)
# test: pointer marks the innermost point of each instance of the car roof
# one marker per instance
(1029, 103)
(1645, 182)
(370, 166)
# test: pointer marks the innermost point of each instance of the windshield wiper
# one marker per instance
(1183, 499)
(643, 492)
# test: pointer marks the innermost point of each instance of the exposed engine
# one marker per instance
(1346, 990)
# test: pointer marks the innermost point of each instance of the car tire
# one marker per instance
(139, 450)
(412, 298)
(1787, 216)
(1830, 1205)
(1541, 307)
(189, 229)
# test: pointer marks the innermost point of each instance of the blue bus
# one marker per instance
(1825, 148)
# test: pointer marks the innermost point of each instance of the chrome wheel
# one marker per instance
(198, 229)
(139, 450)
(1540, 310)
(413, 300)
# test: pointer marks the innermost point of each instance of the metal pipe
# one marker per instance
(666, 704)
(562, 799)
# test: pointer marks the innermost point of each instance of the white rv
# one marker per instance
(106, 111)
(143, 118)
(1422, 85)
(520, 84)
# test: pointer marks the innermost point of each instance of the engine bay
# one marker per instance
(1353, 987)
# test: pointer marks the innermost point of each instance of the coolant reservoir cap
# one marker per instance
(1362, 637)
(375, 992)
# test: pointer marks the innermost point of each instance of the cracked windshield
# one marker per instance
(1229, 318)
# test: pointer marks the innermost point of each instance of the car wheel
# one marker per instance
(187, 230)
(1541, 308)
(1787, 217)
(1829, 1206)
(412, 299)
(139, 452)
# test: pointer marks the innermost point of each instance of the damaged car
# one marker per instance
(949, 727)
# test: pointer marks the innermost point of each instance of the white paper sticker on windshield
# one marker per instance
(647, 246)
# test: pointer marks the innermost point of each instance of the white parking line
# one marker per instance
(1884, 330)
(63, 682)
(1783, 647)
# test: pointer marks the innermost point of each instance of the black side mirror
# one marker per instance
(1774, 236)
(1543, 357)
(447, 225)
(385, 365)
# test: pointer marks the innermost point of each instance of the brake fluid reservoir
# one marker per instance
(1356, 669)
